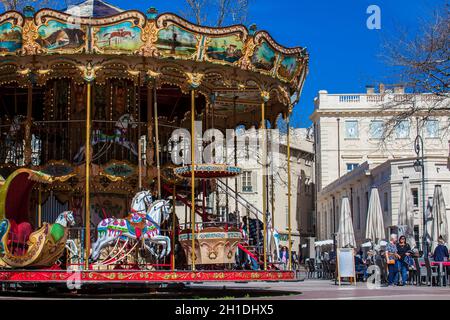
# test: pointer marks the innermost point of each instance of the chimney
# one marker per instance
(370, 89)
(399, 89)
(381, 88)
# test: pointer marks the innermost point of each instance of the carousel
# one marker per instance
(89, 100)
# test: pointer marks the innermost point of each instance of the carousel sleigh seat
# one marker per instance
(18, 237)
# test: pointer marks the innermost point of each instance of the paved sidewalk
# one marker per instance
(327, 290)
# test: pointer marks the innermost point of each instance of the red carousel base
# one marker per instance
(134, 277)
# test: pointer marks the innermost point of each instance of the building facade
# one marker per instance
(249, 187)
(353, 152)
(387, 178)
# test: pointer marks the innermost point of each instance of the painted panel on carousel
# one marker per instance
(176, 41)
(227, 49)
(117, 171)
(288, 67)
(61, 36)
(124, 36)
(58, 169)
(10, 38)
(264, 57)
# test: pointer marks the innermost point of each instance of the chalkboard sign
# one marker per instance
(346, 264)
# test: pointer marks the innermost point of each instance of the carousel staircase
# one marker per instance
(253, 251)
(185, 200)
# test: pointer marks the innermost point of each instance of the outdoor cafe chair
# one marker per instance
(310, 269)
(430, 273)
(414, 275)
(326, 270)
(319, 269)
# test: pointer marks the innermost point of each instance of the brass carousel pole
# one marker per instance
(264, 178)
(28, 137)
(88, 169)
(288, 142)
(158, 162)
(193, 178)
(40, 206)
(174, 226)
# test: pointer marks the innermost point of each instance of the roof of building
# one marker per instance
(93, 9)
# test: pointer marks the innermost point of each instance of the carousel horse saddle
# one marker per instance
(137, 223)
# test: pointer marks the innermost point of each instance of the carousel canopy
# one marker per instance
(93, 9)
(231, 68)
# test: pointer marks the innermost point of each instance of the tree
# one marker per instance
(217, 13)
(422, 64)
(37, 4)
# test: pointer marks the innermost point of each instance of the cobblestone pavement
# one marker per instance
(327, 290)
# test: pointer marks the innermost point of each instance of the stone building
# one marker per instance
(249, 186)
(352, 153)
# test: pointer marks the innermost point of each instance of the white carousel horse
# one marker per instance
(142, 224)
(120, 130)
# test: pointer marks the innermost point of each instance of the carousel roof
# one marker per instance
(93, 9)
(233, 67)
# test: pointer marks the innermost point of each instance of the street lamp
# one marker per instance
(419, 166)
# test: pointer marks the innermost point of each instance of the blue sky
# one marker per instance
(344, 54)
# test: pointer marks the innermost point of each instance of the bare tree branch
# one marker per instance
(217, 13)
(423, 67)
(37, 4)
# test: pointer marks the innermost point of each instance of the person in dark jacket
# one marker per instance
(403, 250)
(441, 251)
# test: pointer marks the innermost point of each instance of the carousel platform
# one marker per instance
(136, 276)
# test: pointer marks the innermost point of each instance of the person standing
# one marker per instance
(403, 250)
(441, 254)
(391, 259)
(284, 257)
(441, 251)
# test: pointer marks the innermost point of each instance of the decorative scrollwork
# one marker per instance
(30, 35)
(89, 71)
(195, 79)
(150, 36)
(246, 62)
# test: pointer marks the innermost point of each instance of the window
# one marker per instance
(247, 149)
(386, 202)
(376, 129)
(416, 235)
(222, 213)
(402, 129)
(247, 181)
(358, 211)
(415, 195)
(351, 166)
(367, 202)
(351, 129)
(287, 215)
(431, 129)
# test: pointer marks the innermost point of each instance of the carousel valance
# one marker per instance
(165, 36)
